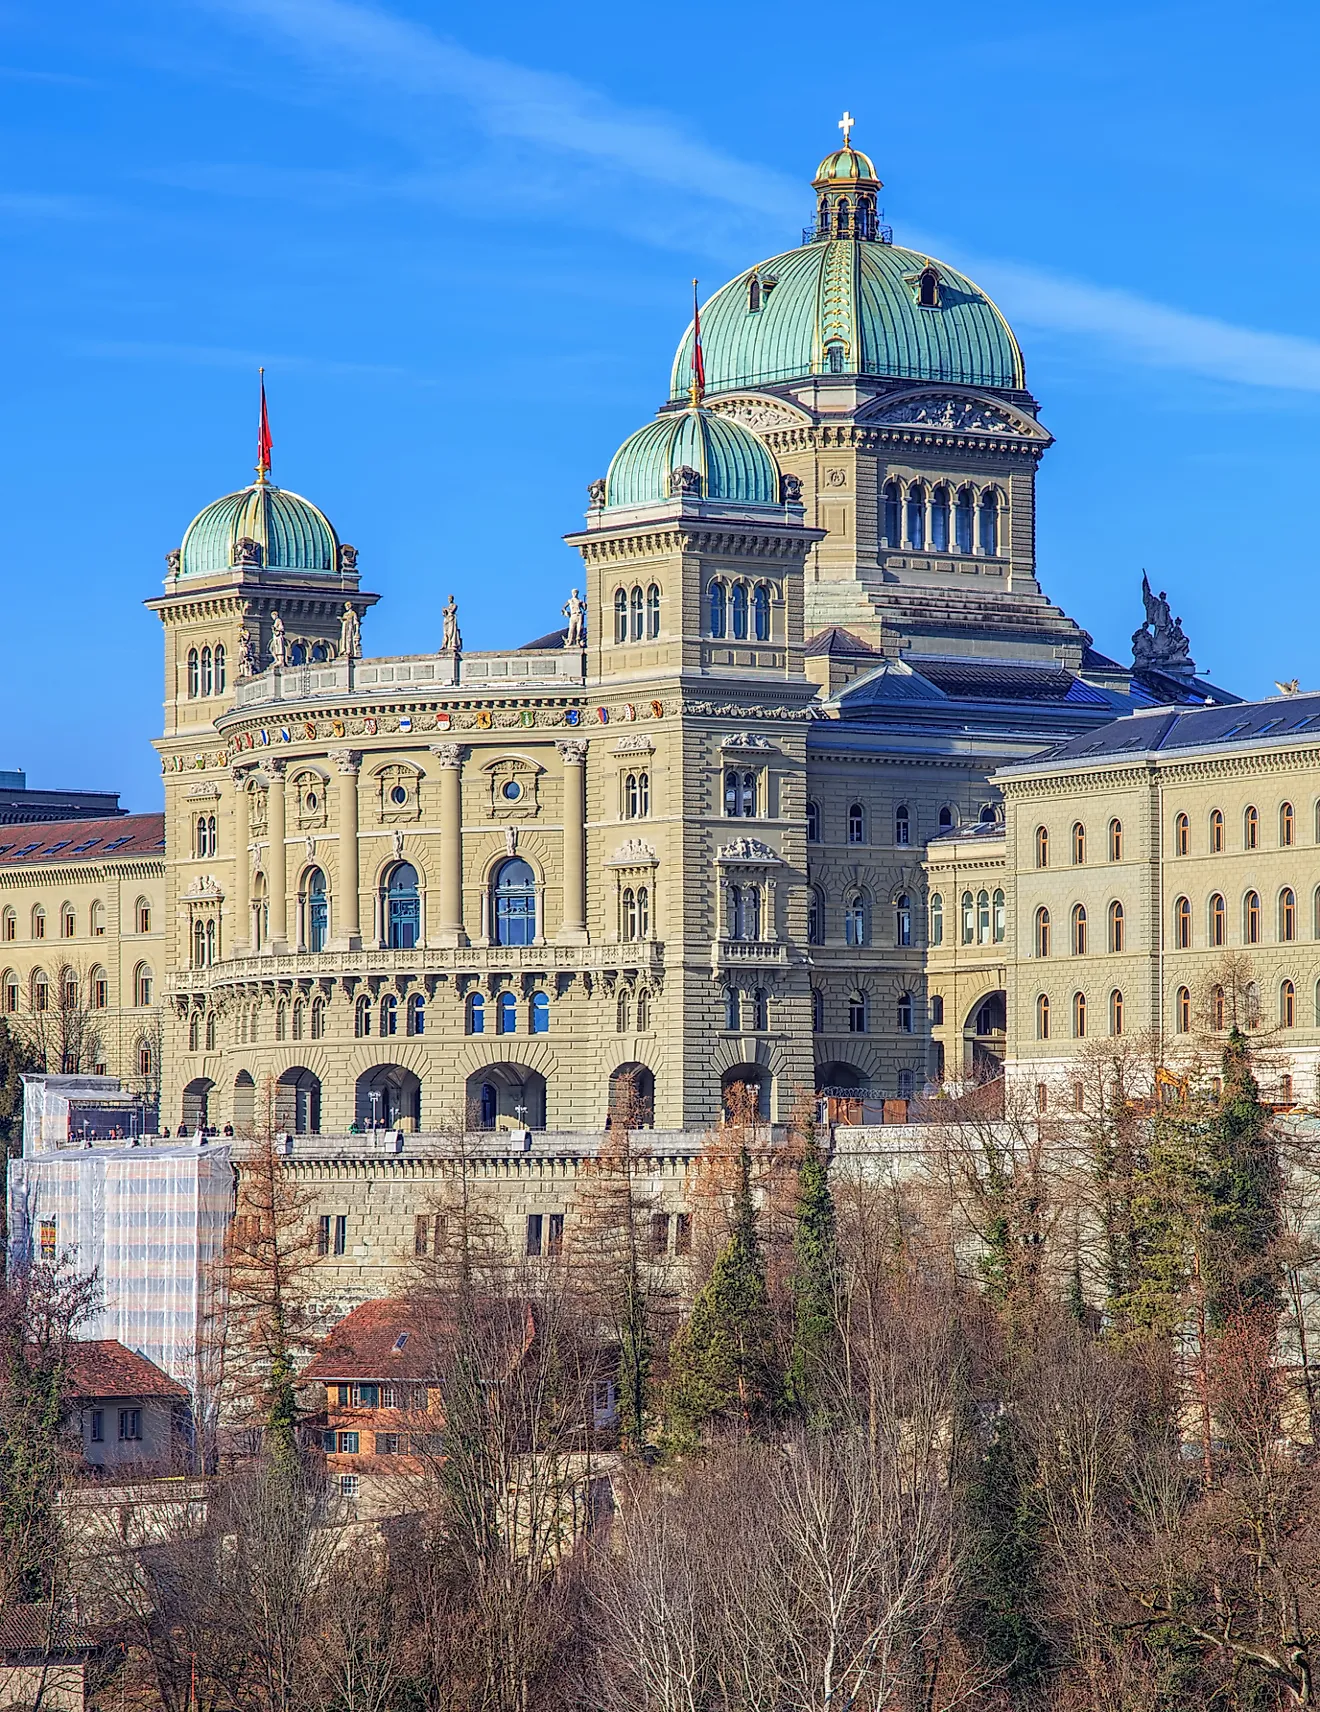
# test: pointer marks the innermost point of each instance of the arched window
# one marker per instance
(1042, 847)
(10, 924)
(281, 1020)
(745, 912)
(893, 514)
(1116, 1012)
(902, 826)
(1251, 919)
(1217, 1007)
(219, 668)
(813, 823)
(990, 522)
(653, 611)
(968, 919)
(928, 288)
(194, 673)
(506, 1014)
(362, 1018)
(937, 1009)
(38, 922)
(402, 907)
(538, 1013)
(142, 913)
(1078, 843)
(1042, 1016)
(1182, 1010)
(1287, 914)
(1079, 1016)
(638, 614)
(622, 1014)
(318, 1018)
(476, 1014)
(98, 988)
(1250, 829)
(815, 918)
(963, 513)
(146, 1060)
(1182, 834)
(318, 913)
(643, 912)
(939, 519)
(1000, 915)
(142, 984)
(946, 819)
(1287, 1005)
(416, 1013)
(299, 1018)
(1182, 924)
(1116, 841)
(68, 922)
(854, 918)
(905, 1013)
(858, 1012)
(1252, 996)
(761, 612)
(983, 917)
(1079, 930)
(732, 1010)
(760, 1011)
(10, 994)
(1216, 831)
(856, 824)
(195, 1031)
(621, 616)
(1042, 932)
(817, 1011)
(936, 919)
(1287, 825)
(916, 517)
(738, 611)
(1117, 926)
(206, 671)
(628, 915)
(753, 294)
(1218, 920)
(514, 903)
(903, 920)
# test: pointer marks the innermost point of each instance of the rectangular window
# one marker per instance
(323, 1234)
(348, 1485)
(439, 1234)
(98, 1426)
(659, 1233)
(46, 1237)
(346, 1443)
(342, 1395)
(534, 1223)
(341, 1233)
(366, 1396)
(554, 1245)
(130, 1424)
(683, 1233)
(421, 1233)
(387, 1444)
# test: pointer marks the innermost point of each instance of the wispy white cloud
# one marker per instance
(227, 357)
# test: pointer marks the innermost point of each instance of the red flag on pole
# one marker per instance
(263, 435)
(698, 360)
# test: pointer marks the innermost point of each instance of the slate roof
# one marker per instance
(83, 840)
(1280, 719)
(104, 1367)
(837, 640)
(38, 1629)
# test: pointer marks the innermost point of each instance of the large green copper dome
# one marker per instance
(731, 463)
(850, 302)
(290, 534)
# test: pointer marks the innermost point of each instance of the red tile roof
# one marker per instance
(83, 840)
(365, 1344)
(104, 1367)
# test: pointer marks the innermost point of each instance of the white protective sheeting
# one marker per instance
(151, 1223)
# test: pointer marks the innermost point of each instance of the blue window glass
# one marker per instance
(506, 1014)
(963, 520)
(515, 904)
(939, 520)
(761, 613)
(916, 517)
(317, 912)
(893, 516)
(402, 907)
(717, 609)
(389, 1015)
(476, 1014)
(540, 1013)
(739, 605)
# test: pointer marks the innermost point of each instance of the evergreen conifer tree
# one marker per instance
(724, 1366)
(814, 1364)
(1243, 1192)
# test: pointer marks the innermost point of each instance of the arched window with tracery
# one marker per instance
(476, 1013)
(904, 1017)
(416, 1013)
(538, 1013)
(219, 668)
(653, 611)
(813, 823)
(902, 825)
(362, 1018)
(506, 1014)
(401, 907)
(206, 671)
(1217, 1007)
(815, 917)
(638, 614)
(194, 673)
(732, 1010)
(983, 917)
(513, 903)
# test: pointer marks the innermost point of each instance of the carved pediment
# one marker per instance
(746, 740)
(205, 889)
(955, 415)
(762, 415)
(750, 851)
(634, 853)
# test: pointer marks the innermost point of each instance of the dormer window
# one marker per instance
(928, 288)
(754, 293)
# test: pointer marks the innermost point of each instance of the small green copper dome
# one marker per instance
(290, 533)
(846, 163)
(731, 463)
(850, 306)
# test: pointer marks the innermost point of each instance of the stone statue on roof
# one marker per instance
(350, 633)
(450, 642)
(1161, 643)
(574, 610)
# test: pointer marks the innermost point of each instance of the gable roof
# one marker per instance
(104, 1367)
(1279, 720)
(83, 840)
(366, 1344)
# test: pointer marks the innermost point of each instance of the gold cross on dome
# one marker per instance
(845, 125)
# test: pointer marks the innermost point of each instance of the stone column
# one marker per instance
(573, 926)
(346, 926)
(277, 884)
(240, 931)
(450, 926)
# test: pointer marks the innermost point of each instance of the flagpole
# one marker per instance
(263, 434)
(698, 388)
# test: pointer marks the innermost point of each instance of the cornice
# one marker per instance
(78, 874)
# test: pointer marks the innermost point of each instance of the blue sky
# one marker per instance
(460, 239)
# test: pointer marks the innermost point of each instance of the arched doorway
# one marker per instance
(513, 904)
(745, 1093)
(245, 1101)
(632, 1097)
(197, 1104)
(298, 1102)
(843, 1087)
(985, 1037)
(388, 1097)
(316, 911)
(401, 908)
(506, 1096)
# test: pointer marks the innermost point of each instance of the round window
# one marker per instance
(399, 795)
(313, 802)
(511, 790)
